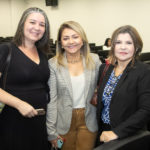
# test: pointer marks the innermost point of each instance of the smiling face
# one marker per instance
(71, 41)
(124, 48)
(34, 27)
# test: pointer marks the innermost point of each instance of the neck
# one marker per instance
(73, 58)
(28, 45)
(119, 68)
(123, 65)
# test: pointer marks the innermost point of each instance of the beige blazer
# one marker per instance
(59, 110)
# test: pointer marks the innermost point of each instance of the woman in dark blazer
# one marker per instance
(124, 95)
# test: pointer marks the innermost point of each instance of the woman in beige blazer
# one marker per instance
(73, 78)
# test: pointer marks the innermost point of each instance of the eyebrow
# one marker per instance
(71, 35)
(35, 20)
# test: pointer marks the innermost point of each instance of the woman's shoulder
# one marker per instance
(140, 69)
(142, 66)
(4, 49)
(52, 62)
(103, 65)
(95, 57)
(96, 60)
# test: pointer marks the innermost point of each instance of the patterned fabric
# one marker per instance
(59, 111)
(107, 95)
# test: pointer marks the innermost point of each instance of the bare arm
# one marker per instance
(23, 107)
(51, 116)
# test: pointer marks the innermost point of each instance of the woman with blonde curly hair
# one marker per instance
(73, 79)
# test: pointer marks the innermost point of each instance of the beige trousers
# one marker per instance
(79, 137)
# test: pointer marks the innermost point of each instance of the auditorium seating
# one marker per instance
(92, 47)
(103, 55)
(140, 141)
(99, 48)
(145, 57)
(5, 39)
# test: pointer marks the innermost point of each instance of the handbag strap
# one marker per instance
(6, 65)
(103, 74)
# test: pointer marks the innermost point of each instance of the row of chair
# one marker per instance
(5, 39)
(139, 141)
(145, 57)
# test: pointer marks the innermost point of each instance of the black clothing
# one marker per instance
(130, 103)
(27, 81)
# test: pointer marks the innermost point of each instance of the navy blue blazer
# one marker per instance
(130, 104)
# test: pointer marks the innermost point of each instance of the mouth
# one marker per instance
(35, 33)
(123, 53)
(71, 46)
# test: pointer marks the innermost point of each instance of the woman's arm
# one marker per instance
(98, 64)
(51, 116)
(140, 118)
(24, 108)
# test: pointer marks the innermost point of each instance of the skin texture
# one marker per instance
(71, 41)
(34, 27)
(124, 48)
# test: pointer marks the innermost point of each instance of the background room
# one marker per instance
(99, 18)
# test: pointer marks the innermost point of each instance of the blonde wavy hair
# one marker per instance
(85, 49)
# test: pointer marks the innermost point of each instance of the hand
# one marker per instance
(107, 136)
(54, 142)
(26, 109)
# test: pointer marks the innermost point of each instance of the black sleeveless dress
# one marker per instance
(27, 81)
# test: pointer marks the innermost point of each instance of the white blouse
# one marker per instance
(78, 83)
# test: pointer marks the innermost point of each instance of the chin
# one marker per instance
(35, 39)
(72, 52)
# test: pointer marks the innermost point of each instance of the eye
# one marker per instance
(42, 25)
(129, 42)
(117, 42)
(32, 22)
(75, 37)
(65, 39)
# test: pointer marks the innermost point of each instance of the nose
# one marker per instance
(71, 40)
(37, 27)
(123, 46)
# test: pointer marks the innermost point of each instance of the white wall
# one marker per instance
(99, 18)
(10, 13)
